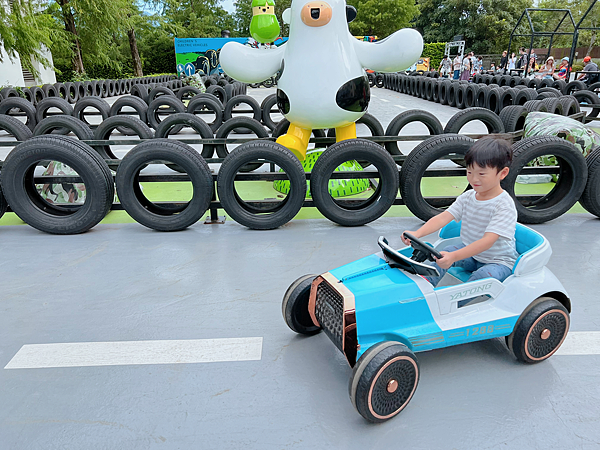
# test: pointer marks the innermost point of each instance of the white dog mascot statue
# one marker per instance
(323, 83)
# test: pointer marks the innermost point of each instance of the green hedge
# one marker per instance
(435, 53)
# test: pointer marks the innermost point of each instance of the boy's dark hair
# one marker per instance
(490, 152)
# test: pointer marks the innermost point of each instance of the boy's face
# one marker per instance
(484, 179)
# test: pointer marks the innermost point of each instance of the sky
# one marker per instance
(228, 5)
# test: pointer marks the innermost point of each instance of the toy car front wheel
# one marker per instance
(384, 380)
(541, 331)
(295, 306)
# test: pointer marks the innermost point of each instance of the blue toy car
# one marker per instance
(379, 311)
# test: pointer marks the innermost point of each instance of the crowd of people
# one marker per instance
(464, 67)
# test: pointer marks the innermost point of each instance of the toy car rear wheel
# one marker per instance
(540, 331)
(384, 381)
(295, 306)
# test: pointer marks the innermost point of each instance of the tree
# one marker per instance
(25, 30)
(382, 17)
(486, 24)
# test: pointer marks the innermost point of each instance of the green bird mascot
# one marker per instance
(264, 27)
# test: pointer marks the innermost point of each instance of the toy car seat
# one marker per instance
(533, 248)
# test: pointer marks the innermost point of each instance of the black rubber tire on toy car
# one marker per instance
(24, 106)
(190, 120)
(105, 129)
(540, 331)
(384, 381)
(131, 101)
(355, 214)
(149, 214)
(414, 115)
(590, 199)
(589, 99)
(417, 162)
(461, 118)
(246, 100)
(15, 127)
(210, 103)
(64, 125)
(513, 117)
(253, 126)
(294, 307)
(175, 106)
(255, 217)
(99, 104)
(567, 190)
(20, 190)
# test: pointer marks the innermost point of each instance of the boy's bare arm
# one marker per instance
(483, 244)
(431, 226)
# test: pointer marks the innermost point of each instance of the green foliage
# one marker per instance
(381, 17)
(435, 52)
(486, 24)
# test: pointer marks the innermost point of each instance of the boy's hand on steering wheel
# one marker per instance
(405, 240)
(446, 261)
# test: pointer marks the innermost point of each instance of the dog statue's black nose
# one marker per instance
(315, 13)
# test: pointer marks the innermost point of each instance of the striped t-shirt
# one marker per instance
(497, 215)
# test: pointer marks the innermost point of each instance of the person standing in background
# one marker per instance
(466, 68)
(504, 60)
(456, 67)
(512, 61)
(523, 59)
(445, 66)
(479, 64)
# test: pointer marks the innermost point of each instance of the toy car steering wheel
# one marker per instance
(422, 251)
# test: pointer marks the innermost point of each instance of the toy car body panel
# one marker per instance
(369, 301)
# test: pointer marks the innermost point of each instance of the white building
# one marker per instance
(12, 72)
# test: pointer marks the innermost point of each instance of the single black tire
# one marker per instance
(568, 188)
(471, 94)
(588, 98)
(246, 100)
(254, 217)
(200, 103)
(174, 106)
(534, 105)
(384, 381)
(7, 105)
(414, 115)
(254, 126)
(99, 104)
(131, 101)
(417, 162)
(540, 331)
(218, 92)
(53, 102)
(49, 90)
(452, 90)
(141, 91)
(354, 214)
(37, 94)
(188, 92)
(561, 85)
(513, 117)
(508, 98)
(8, 92)
(444, 88)
(151, 215)
(158, 91)
(295, 307)
(66, 125)
(575, 86)
(266, 107)
(15, 127)
(72, 92)
(590, 199)
(569, 104)
(525, 95)
(104, 130)
(461, 118)
(550, 90)
(190, 120)
(61, 89)
(534, 83)
(27, 95)
(494, 100)
(553, 106)
(80, 86)
(3, 203)
(20, 190)
(461, 96)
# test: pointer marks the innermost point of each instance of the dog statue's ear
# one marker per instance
(287, 16)
(350, 13)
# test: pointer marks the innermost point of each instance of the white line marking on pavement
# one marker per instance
(81, 354)
(402, 107)
(384, 100)
(580, 343)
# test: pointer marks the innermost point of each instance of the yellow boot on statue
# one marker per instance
(296, 140)
(345, 133)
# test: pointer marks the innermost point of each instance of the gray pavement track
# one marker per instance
(127, 283)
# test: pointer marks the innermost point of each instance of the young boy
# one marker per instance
(488, 215)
